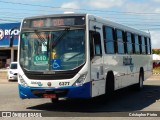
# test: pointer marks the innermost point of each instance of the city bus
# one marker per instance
(80, 56)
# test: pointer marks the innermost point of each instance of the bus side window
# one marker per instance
(137, 45)
(95, 44)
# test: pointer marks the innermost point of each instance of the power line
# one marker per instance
(140, 22)
(8, 20)
(146, 25)
(109, 18)
(128, 22)
(29, 10)
(133, 18)
(10, 17)
(26, 4)
(17, 13)
(36, 5)
(150, 29)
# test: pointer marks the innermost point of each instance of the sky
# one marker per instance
(140, 14)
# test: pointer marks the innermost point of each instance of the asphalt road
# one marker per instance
(122, 103)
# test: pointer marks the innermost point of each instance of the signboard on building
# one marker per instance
(6, 30)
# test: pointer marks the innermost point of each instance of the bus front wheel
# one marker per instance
(54, 100)
(109, 84)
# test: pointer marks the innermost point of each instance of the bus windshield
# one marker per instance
(53, 50)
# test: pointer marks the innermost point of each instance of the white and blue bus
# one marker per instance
(80, 56)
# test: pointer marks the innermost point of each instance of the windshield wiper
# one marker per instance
(74, 56)
(60, 37)
(43, 40)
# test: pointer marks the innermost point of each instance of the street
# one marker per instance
(122, 102)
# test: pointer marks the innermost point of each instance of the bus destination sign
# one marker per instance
(53, 22)
(38, 23)
(61, 22)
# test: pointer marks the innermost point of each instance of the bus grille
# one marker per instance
(57, 75)
(59, 93)
(50, 76)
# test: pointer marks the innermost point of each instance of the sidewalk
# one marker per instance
(154, 77)
(3, 74)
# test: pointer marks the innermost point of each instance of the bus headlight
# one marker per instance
(22, 81)
(80, 80)
(10, 72)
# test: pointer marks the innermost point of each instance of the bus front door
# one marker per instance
(96, 57)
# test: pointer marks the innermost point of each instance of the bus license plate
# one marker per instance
(49, 95)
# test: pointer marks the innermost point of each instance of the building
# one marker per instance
(9, 33)
(156, 49)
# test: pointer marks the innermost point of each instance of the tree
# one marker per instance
(156, 51)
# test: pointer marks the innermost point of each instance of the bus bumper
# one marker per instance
(83, 91)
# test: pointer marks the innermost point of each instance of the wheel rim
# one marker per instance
(141, 82)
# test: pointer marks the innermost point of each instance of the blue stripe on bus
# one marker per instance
(73, 91)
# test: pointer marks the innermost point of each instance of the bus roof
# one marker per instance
(104, 21)
(55, 15)
(119, 26)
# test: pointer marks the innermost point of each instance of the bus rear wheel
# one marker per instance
(139, 85)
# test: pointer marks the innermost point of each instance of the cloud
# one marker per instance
(142, 7)
(105, 3)
(155, 0)
(31, 1)
(73, 5)
(138, 7)
(155, 39)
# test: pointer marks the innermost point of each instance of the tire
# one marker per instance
(54, 100)
(139, 85)
(109, 85)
